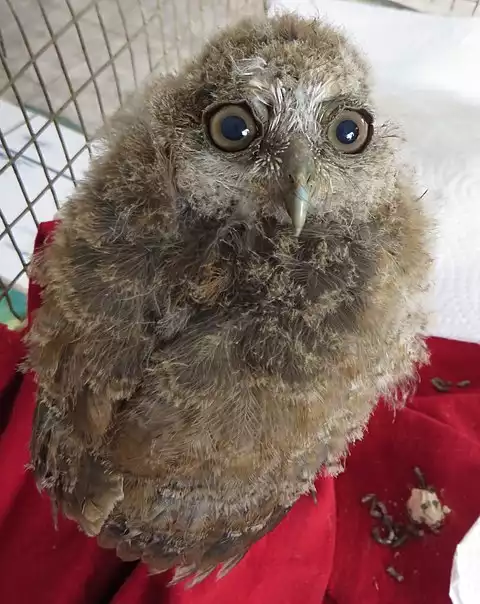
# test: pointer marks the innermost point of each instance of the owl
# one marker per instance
(233, 286)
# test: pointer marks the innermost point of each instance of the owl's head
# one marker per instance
(274, 119)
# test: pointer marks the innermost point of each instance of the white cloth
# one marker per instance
(426, 78)
(465, 580)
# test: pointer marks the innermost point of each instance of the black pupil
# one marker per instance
(347, 132)
(234, 128)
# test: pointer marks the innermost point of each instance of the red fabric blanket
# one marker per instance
(320, 552)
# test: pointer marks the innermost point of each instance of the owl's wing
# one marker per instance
(92, 337)
(77, 483)
(88, 349)
(194, 555)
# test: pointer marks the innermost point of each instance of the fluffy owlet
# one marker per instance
(231, 289)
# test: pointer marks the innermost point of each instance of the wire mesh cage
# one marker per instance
(65, 66)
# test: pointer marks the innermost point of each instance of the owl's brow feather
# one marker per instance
(303, 99)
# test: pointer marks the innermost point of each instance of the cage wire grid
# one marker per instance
(67, 65)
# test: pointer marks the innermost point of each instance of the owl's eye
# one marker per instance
(232, 127)
(350, 131)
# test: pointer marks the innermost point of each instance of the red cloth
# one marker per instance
(318, 553)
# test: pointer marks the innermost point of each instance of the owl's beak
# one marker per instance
(299, 168)
(297, 203)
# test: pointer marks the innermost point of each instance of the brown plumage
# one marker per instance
(199, 359)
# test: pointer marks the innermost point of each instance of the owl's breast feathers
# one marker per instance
(273, 297)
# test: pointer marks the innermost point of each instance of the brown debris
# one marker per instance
(440, 385)
(388, 532)
(423, 506)
(386, 539)
(395, 574)
(421, 478)
(399, 541)
(377, 508)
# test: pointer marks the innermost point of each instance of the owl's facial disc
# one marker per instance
(291, 135)
(232, 127)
